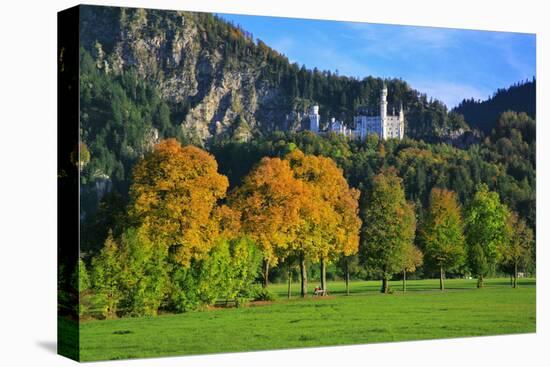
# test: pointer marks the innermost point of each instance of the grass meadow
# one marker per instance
(366, 316)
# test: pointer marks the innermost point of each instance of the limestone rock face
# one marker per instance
(171, 50)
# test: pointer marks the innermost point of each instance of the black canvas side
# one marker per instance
(68, 343)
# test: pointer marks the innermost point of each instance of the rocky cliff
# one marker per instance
(195, 60)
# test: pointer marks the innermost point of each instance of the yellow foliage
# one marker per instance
(174, 195)
(270, 202)
(331, 211)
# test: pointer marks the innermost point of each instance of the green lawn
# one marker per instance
(366, 316)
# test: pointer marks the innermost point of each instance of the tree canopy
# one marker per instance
(485, 231)
(390, 225)
(174, 196)
(442, 233)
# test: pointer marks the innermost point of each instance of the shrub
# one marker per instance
(259, 293)
(227, 273)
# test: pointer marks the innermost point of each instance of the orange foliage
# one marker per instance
(174, 196)
(270, 202)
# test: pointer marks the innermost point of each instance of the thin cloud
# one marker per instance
(402, 41)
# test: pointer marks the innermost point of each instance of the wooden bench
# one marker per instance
(226, 303)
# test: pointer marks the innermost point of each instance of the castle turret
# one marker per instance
(314, 119)
(383, 103)
(383, 111)
(401, 122)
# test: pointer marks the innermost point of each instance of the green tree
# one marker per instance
(82, 280)
(442, 233)
(412, 259)
(227, 273)
(105, 279)
(83, 277)
(244, 265)
(390, 226)
(485, 231)
(143, 275)
(201, 282)
(516, 251)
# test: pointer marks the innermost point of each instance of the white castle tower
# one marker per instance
(391, 126)
(385, 126)
(314, 119)
(383, 103)
(401, 121)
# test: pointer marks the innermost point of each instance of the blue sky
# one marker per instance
(447, 64)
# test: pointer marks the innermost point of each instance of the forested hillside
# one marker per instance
(147, 75)
(483, 115)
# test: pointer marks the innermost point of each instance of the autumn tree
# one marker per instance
(174, 196)
(411, 259)
(390, 226)
(516, 251)
(442, 233)
(270, 201)
(80, 156)
(331, 220)
(485, 231)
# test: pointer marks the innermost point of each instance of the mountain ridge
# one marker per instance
(483, 114)
(226, 84)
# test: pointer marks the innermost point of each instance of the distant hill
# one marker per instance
(483, 115)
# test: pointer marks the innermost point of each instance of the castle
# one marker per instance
(385, 126)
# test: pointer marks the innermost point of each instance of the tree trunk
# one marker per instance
(511, 280)
(303, 275)
(515, 275)
(441, 276)
(385, 288)
(266, 273)
(347, 278)
(323, 275)
(404, 280)
(480, 281)
(289, 281)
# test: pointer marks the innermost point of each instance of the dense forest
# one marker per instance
(505, 161)
(483, 114)
(146, 76)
